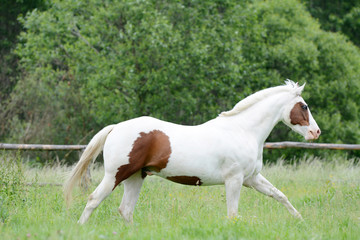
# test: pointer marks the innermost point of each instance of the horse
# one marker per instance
(226, 150)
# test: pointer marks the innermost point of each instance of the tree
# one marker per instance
(87, 65)
(9, 30)
(337, 16)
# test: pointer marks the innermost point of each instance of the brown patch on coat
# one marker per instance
(298, 115)
(150, 151)
(186, 180)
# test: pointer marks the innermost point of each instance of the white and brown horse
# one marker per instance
(226, 150)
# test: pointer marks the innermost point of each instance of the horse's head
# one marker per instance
(298, 117)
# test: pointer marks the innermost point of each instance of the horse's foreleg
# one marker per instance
(132, 187)
(100, 193)
(262, 185)
(232, 188)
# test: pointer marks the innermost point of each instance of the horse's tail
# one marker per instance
(92, 150)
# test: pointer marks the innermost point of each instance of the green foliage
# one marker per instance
(89, 64)
(11, 175)
(9, 12)
(11, 183)
(337, 16)
(9, 30)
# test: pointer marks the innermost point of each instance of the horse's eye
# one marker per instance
(304, 107)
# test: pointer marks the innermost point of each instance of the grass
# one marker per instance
(327, 194)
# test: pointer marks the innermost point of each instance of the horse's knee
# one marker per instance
(92, 202)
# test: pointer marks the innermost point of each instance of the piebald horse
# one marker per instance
(225, 150)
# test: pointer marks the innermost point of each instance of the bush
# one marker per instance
(87, 65)
(11, 183)
(337, 16)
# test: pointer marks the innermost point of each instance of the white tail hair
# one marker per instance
(92, 150)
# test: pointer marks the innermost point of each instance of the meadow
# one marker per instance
(326, 193)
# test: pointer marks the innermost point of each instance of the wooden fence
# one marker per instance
(332, 146)
(268, 145)
(41, 147)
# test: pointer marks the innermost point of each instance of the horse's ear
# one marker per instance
(300, 89)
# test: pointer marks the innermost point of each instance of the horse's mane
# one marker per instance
(289, 86)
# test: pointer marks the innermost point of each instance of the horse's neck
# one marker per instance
(259, 119)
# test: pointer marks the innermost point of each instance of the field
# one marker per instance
(327, 194)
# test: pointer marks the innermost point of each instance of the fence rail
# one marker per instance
(41, 147)
(268, 145)
(332, 146)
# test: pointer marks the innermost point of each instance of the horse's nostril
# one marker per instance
(318, 131)
(315, 135)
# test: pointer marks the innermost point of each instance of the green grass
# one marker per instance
(326, 194)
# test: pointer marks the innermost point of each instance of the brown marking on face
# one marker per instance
(186, 180)
(150, 150)
(300, 116)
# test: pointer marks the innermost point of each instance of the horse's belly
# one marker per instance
(191, 172)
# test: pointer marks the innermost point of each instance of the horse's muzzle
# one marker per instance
(313, 134)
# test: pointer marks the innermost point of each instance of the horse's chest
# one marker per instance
(241, 160)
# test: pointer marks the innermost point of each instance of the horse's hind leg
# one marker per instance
(100, 193)
(132, 187)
